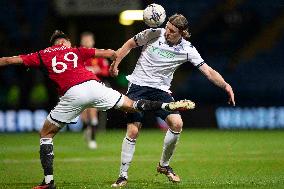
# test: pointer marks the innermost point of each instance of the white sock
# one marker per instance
(48, 178)
(127, 152)
(170, 142)
(94, 121)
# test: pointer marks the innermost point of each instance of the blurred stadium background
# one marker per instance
(242, 39)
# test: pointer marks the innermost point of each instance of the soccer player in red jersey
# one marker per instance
(78, 89)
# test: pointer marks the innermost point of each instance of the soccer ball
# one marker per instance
(154, 15)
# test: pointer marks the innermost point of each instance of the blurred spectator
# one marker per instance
(100, 67)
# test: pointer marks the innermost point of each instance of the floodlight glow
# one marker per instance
(129, 16)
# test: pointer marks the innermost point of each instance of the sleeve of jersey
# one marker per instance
(87, 53)
(194, 57)
(31, 60)
(145, 36)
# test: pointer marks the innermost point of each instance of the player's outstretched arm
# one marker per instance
(218, 80)
(4, 61)
(121, 53)
(111, 54)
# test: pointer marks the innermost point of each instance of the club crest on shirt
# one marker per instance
(177, 49)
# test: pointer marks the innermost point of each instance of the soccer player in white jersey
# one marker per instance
(164, 50)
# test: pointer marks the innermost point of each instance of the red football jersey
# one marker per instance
(99, 66)
(64, 65)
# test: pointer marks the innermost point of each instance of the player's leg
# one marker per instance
(93, 124)
(128, 105)
(127, 152)
(137, 92)
(84, 118)
(48, 131)
(85, 124)
(174, 121)
(67, 111)
(89, 119)
(104, 98)
(129, 142)
(175, 124)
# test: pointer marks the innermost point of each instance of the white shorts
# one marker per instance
(90, 94)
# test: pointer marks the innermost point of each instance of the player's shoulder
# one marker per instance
(157, 30)
(187, 45)
(55, 49)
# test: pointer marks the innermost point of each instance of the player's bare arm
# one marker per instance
(4, 61)
(106, 53)
(121, 53)
(218, 80)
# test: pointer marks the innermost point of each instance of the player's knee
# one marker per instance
(48, 130)
(132, 134)
(125, 104)
(176, 125)
(133, 130)
(44, 134)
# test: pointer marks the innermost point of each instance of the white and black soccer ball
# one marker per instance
(154, 15)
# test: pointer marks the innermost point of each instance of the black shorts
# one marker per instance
(136, 92)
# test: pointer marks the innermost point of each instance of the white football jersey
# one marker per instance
(158, 61)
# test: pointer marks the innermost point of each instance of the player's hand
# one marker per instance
(113, 56)
(113, 69)
(231, 95)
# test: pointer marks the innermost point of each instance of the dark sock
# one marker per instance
(147, 105)
(85, 125)
(93, 132)
(46, 155)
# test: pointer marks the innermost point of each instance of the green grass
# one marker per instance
(203, 159)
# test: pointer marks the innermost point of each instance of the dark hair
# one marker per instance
(57, 34)
(87, 33)
(180, 22)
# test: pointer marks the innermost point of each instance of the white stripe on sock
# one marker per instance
(46, 141)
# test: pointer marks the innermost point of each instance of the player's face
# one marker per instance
(172, 34)
(87, 41)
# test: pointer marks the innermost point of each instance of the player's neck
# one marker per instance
(174, 44)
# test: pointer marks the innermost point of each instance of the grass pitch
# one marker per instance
(203, 159)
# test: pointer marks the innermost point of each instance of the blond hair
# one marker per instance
(180, 22)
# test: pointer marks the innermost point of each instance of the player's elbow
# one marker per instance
(131, 43)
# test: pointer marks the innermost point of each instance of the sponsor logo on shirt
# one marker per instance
(162, 52)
